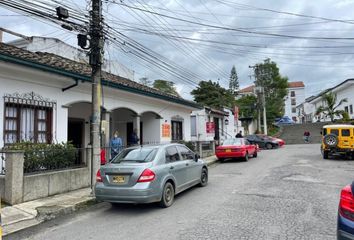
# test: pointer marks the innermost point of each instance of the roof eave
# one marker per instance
(43, 67)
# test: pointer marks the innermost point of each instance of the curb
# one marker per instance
(46, 213)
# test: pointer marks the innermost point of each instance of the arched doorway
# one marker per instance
(124, 120)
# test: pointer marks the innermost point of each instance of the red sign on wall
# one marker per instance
(210, 127)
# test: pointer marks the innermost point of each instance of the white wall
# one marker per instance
(151, 128)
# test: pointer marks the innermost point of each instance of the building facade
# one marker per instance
(47, 98)
(344, 90)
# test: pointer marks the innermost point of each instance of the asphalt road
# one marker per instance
(288, 193)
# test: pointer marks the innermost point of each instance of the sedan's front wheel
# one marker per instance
(204, 178)
(168, 195)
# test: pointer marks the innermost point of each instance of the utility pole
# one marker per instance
(259, 89)
(96, 46)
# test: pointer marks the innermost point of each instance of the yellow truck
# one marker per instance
(338, 139)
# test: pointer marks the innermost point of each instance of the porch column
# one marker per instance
(137, 127)
(14, 177)
(106, 129)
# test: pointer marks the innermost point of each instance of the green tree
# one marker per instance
(145, 81)
(233, 82)
(165, 86)
(330, 109)
(211, 94)
(247, 106)
(275, 88)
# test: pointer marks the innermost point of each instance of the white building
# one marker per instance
(210, 127)
(296, 95)
(60, 48)
(47, 98)
(344, 90)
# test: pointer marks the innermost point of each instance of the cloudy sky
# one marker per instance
(188, 41)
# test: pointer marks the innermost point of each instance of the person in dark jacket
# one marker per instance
(239, 134)
(133, 139)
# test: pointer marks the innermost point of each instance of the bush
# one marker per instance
(41, 156)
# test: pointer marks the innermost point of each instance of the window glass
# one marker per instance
(186, 153)
(346, 109)
(292, 93)
(233, 141)
(345, 132)
(335, 131)
(193, 125)
(172, 154)
(351, 109)
(324, 131)
(136, 155)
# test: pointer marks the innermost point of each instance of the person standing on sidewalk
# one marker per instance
(115, 144)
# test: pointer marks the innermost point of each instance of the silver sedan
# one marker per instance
(146, 174)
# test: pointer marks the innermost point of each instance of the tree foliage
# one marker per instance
(165, 86)
(211, 94)
(233, 82)
(247, 106)
(145, 81)
(331, 106)
(275, 88)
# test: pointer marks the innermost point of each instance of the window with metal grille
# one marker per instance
(27, 118)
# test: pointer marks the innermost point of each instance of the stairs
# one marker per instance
(294, 134)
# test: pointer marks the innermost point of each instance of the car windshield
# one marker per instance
(136, 155)
(233, 141)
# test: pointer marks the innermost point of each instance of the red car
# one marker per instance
(236, 148)
(281, 142)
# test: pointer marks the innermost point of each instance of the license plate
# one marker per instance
(118, 179)
(228, 150)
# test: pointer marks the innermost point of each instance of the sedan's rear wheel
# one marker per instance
(269, 146)
(204, 178)
(168, 195)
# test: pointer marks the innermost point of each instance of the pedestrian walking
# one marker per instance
(307, 136)
(239, 134)
(115, 144)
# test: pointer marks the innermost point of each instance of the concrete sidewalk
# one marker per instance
(25, 215)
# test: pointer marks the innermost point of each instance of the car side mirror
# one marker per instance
(196, 157)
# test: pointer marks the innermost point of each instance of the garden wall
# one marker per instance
(41, 185)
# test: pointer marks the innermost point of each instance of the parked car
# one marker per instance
(263, 142)
(337, 140)
(236, 148)
(345, 222)
(145, 174)
(283, 121)
(280, 141)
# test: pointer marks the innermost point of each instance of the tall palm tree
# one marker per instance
(330, 106)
